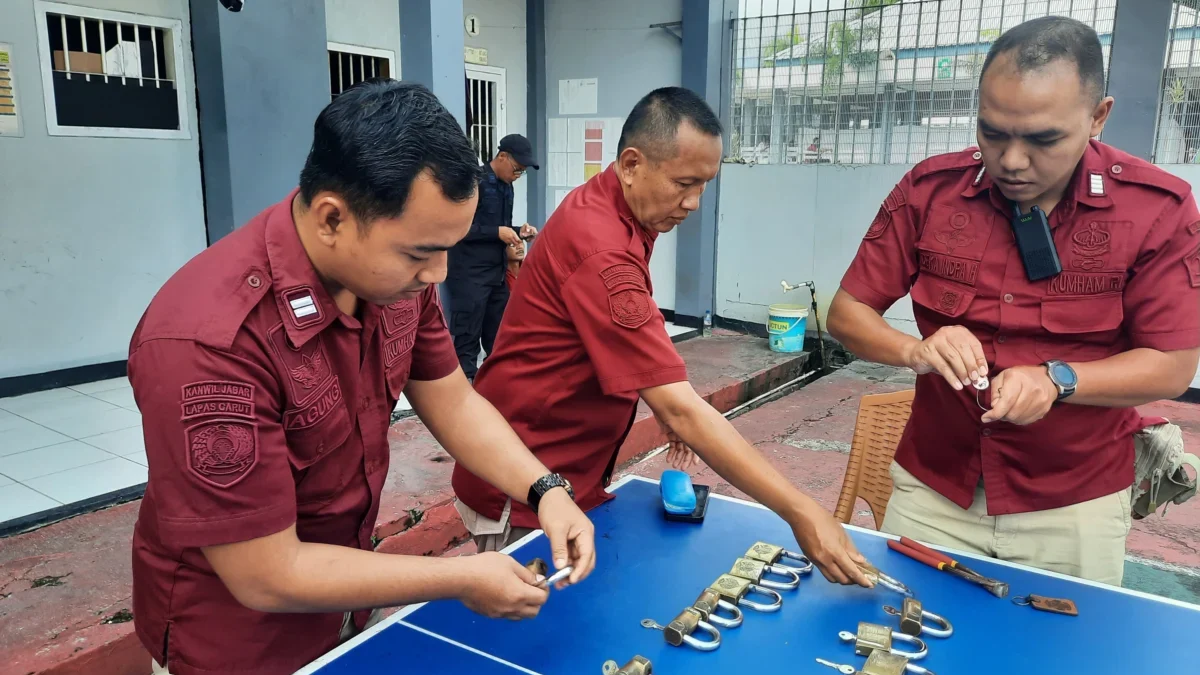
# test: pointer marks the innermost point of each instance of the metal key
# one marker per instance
(844, 670)
(679, 631)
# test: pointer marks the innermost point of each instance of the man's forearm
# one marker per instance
(476, 435)
(326, 578)
(714, 439)
(1133, 378)
(866, 334)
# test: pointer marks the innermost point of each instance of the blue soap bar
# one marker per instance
(677, 493)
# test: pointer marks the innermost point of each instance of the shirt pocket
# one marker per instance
(1083, 327)
(942, 297)
(317, 428)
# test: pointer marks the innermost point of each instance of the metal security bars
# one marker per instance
(1178, 132)
(347, 68)
(874, 82)
(486, 88)
(110, 73)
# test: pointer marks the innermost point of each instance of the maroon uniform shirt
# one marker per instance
(262, 405)
(1126, 234)
(580, 337)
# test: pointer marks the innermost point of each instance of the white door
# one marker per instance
(486, 112)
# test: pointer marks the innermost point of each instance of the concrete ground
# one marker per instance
(65, 589)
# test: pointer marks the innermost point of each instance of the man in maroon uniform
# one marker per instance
(1043, 477)
(266, 371)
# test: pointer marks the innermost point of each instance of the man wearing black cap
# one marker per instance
(475, 281)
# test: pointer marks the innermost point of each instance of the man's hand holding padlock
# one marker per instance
(953, 352)
(1021, 395)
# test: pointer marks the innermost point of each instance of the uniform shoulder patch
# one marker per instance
(1138, 172)
(222, 452)
(622, 275)
(630, 307)
(217, 398)
(882, 221)
(953, 161)
(1192, 263)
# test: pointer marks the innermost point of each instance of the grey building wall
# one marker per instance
(365, 23)
(613, 42)
(90, 228)
(799, 223)
(257, 128)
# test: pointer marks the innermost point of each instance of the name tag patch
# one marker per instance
(949, 267)
(1086, 283)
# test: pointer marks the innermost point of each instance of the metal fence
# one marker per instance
(879, 82)
(1178, 133)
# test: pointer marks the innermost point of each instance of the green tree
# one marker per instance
(780, 45)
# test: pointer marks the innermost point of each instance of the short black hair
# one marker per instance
(1039, 42)
(654, 122)
(374, 139)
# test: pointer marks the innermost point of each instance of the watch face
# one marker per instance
(1063, 374)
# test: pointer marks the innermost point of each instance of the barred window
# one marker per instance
(111, 73)
(1178, 131)
(876, 82)
(351, 64)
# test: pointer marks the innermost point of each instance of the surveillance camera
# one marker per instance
(233, 5)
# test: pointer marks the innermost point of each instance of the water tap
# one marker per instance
(791, 287)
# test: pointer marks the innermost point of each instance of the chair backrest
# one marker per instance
(877, 431)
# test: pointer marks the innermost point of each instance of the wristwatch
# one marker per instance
(1063, 377)
(545, 484)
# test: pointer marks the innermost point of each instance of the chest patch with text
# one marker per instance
(949, 267)
(1086, 283)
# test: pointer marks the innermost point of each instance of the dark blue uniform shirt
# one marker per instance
(480, 256)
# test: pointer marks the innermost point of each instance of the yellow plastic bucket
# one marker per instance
(785, 327)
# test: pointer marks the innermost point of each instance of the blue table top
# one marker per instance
(648, 567)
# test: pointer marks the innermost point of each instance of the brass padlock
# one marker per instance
(872, 637)
(756, 570)
(638, 665)
(913, 617)
(735, 589)
(538, 567)
(774, 555)
(884, 663)
(679, 631)
(710, 602)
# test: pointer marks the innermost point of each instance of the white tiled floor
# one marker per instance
(70, 444)
(66, 445)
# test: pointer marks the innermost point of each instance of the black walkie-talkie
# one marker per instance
(1036, 244)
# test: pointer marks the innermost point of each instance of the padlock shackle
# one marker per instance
(793, 577)
(945, 631)
(732, 621)
(806, 568)
(704, 645)
(775, 606)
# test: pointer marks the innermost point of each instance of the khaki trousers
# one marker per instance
(488, 534)
(348, 631)
(1085, 540)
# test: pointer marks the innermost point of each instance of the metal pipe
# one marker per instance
(812, 290)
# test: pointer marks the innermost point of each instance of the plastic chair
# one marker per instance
(877, 431)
